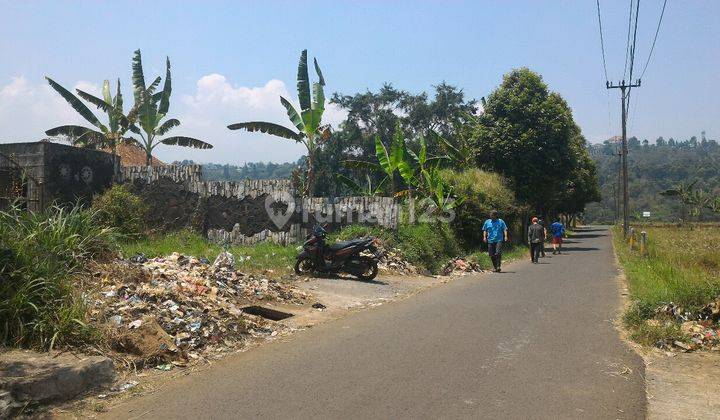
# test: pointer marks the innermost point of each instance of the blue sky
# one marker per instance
(231, 60)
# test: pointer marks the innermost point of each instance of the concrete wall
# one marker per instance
(248, 211)
(57, 173)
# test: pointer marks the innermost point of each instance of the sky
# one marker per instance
(231, 60)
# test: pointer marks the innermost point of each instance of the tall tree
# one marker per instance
(152, 107)
(525, 133)
(311, 131)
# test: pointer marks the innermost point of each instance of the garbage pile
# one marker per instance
(182, 307)
(701, 335)
(392, 260)
(460, 266)
(702, 328)
(710, 312)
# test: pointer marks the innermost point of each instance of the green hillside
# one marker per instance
(653, 168)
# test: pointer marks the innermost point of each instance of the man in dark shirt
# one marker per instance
(536, 237)
(541, 222)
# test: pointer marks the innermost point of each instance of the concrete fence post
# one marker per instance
(643, 243)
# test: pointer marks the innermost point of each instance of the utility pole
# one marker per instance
(624, 89)
(618, 188)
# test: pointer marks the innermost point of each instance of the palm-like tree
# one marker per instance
(150, 110)
(101, 136)
(308, 121)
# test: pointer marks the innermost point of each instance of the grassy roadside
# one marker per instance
(253, 259)
(425, 245)
(682, 267)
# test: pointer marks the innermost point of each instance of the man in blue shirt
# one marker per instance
(494, 233)
(558, 231)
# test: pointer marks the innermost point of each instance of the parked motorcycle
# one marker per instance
(346, 257)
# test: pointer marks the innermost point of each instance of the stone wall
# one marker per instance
(249, 211)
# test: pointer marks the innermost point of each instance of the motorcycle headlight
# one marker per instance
(299, 249)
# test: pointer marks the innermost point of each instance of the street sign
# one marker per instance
(646, 214)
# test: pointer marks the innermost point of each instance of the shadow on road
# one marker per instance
(578, 248)
(348, 278)
(588, 235)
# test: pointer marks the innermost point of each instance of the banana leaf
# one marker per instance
(383, 157)
(167, 90)
(293, 114)
(167, 126)
(138, 79)
(319, 73)
(75, 102)
(186, 142)
(78, 135)
(303, 82)
(266, 127)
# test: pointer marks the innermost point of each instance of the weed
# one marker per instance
(43, 256)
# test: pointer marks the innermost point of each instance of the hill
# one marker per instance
(653, 168)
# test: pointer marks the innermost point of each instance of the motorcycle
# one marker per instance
(349, 256)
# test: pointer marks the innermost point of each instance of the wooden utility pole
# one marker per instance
(624, 88)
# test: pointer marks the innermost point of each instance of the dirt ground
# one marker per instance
(339, 296)
(682, 386)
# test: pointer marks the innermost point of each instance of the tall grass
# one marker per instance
(42, 256)
(682, 266)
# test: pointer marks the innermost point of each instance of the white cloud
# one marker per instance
(216, 103)
(28, 109)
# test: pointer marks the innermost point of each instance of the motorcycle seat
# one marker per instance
(346, 244)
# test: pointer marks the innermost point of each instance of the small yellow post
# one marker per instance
(631, 238)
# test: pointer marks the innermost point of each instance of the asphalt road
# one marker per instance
(536, 341)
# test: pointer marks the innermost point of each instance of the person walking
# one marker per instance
(495, 231)
(541, 222)
(536, 237)
(558, 231)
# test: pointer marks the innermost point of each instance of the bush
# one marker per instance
(483, 192)
(425, 245)
(120, 209)
(42, 256)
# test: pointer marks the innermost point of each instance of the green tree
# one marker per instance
(152, 107)
(308, 121)
(525, 134)
(102, 136)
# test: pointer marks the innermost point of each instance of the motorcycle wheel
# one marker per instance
(371, 270)
(304, 266)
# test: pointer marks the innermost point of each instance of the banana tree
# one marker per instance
(311, 132)
(101, 136)
(389, 162)
(150, 110)
(439, 191)
(366, 190)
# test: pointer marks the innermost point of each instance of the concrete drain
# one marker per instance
(266, 313)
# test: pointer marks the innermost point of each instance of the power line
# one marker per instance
(632, 49)
(602, 48)
(602, 41)
(654, 39)
(634, 41)
(627, 43)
